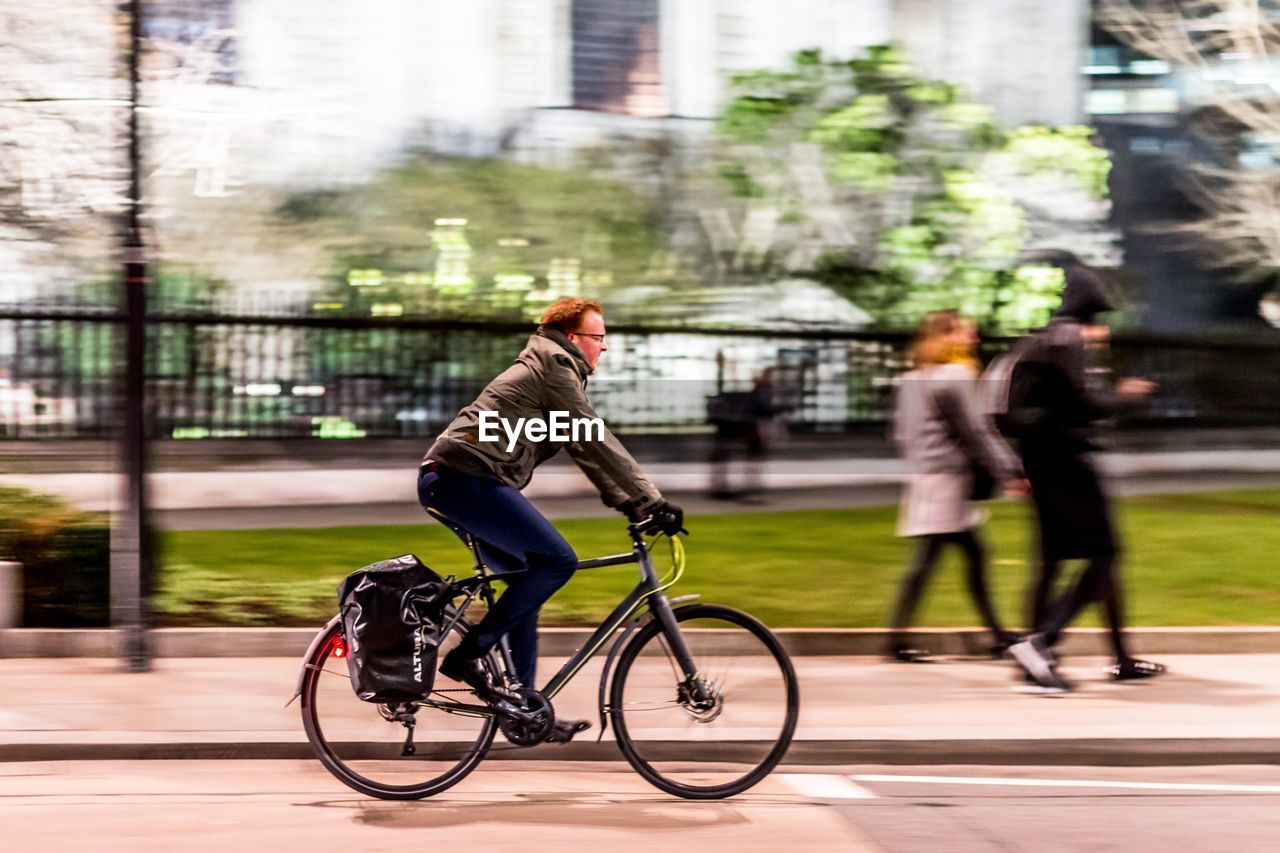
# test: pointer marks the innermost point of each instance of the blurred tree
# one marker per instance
(62, 145)
(898, 192)
(435, 235)
(1227, 51)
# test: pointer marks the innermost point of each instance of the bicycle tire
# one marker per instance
(324, 695)
(643, 741)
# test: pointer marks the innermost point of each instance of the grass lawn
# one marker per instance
(1208, 559)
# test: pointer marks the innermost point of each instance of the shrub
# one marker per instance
(65, 557)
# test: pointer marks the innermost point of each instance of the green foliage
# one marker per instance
(1070, 150)
(867, 124)
(65, 557)
(436, 234)
(88, 352)
(972, 126)
(737, 176)
(881, 66)
(891, 142)
(189, 595)
(766, 98)
(1025, 299)
(869, 171)
(169, 288)
(849, 561)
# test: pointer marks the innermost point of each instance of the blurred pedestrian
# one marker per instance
(743, 421)
(1055, 394)
(954, 457)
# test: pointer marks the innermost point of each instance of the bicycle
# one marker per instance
(668, 688)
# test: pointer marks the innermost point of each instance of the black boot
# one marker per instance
(1003, 640)
(564, 730)
(471, 672)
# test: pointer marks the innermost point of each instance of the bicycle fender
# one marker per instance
(639, 620)
(311, 650)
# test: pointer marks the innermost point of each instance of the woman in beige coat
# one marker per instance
(954, 457)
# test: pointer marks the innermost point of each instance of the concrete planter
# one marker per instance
(10, 595)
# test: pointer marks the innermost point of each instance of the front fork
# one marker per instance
(670, 628)
(661, 608)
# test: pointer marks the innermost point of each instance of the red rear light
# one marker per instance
(339, 648)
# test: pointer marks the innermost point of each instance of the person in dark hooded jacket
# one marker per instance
(1057, 395)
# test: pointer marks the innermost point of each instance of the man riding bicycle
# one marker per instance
(473, 474)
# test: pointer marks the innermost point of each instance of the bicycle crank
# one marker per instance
(530, 725)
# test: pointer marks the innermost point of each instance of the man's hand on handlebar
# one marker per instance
(661, 517)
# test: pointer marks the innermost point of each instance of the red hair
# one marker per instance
(566, 314)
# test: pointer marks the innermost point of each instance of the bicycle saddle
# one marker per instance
(501, 562)
(461, 531)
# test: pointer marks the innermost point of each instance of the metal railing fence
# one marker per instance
(215, 376)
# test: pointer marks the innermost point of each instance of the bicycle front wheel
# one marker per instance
(717, 731)
(368, 747)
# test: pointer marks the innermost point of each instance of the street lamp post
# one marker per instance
(130, 550)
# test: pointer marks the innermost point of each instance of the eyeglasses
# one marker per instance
(599, 338)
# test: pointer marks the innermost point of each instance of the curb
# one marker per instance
(561, 642)
(1092, 752)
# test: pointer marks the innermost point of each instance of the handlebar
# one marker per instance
(651, 525)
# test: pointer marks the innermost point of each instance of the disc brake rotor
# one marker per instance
(701, 700)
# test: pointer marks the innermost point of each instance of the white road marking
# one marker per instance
(825, 786)
(1071, 783)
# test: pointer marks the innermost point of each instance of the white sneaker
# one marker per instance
(1033, 658)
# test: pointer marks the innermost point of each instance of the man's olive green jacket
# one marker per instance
(549, 375)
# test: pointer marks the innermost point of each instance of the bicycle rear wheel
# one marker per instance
(720, 732)
(363, 744)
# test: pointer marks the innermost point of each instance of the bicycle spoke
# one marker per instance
(650, 706)
(719, 733)
(374, 749)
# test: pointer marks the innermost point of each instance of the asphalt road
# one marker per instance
(296, 805)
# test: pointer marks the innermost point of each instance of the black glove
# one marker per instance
(665, 518)
(631, 509)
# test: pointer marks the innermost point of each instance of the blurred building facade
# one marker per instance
(242, 95)
(1166, 119)
(491, 75)
(285, 97)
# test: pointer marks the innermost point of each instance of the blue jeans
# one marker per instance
(514, 538)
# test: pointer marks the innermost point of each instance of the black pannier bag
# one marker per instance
(392, 613)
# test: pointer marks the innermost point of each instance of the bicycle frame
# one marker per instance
(648, 592)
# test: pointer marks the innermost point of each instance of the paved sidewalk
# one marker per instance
(1219, 709)
(562, 642)
(346, 486)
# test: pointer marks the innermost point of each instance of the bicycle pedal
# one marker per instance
(564, 730)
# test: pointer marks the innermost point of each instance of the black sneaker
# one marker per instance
(1132, 669)
(906, 654)
(1000, 648)
(1034, 657)
(564, 730)
(471, 672)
